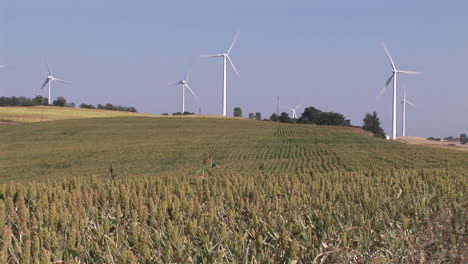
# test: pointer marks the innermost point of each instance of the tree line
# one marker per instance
(314, 116)
(59, 101)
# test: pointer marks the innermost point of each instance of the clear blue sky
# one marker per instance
(325, 54)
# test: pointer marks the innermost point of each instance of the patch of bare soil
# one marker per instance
(430, 143)
(6, 122)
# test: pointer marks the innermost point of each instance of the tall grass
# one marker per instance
(405, 216)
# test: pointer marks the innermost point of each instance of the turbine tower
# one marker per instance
(184, 84)
(293, 110)
(226, 59)
(404, 102)
(49, 80)
(393, 77)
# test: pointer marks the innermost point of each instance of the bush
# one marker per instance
(60, 101)
(463, 139)
(90, 106)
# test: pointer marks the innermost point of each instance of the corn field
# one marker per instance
(396, 216)
(206, 190)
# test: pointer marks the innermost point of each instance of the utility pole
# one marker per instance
(277, 109)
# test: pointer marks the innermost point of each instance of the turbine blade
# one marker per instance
(48, 67)
(388, 55)
(411, 72)
(287, 108)
(188, 74)
(169, 84)
(211, 55)
(234, 67)
(233, 42)
(389, 80)
(410, 103)
(62, 81)
(386, 85)
(3, 65)
(45, 83)
(299, 105)
(192, 92)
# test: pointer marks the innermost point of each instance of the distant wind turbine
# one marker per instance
(51, 78)
(226, 58)
(184, 84)
(393, 77)
(293, 110)
(404, 102)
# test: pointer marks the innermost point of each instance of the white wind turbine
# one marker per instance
(395, 71)
(293, 110)
(184, 84)
(404, 102)
(49, 80)
(226, 58)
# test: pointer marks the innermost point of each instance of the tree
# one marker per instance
(332, 119)
(274, 117)
(284, 118)
(72, 105)
(372, 123)
(258, 116)
(463, 139)
(60, 101)
(90, 106)
(251, 116)
(311, 115)
(237, 112)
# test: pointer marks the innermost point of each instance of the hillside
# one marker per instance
(19, 114)
(146, 146)
(279, 193)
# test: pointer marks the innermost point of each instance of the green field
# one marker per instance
(278, 193)
(150, 146)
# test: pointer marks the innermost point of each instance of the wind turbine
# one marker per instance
(49, 80)
(404, 102)
(185, 85)
(226, 58)
(393, 77)
(293, 110)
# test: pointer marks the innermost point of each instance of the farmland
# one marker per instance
(202, 190)
(50, 113)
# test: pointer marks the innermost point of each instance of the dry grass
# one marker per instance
(430, 143)
(50, 113)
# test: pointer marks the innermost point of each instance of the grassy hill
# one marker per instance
(279, 193)
(145, 146)
(21, 114)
